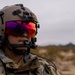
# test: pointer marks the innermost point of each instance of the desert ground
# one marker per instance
(66, 65)
(62, 56)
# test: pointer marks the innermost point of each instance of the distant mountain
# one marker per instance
(70, 44)
(66, 45)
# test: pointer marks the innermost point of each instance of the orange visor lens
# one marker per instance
(17, 28)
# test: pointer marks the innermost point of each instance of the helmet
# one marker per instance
(17, 12)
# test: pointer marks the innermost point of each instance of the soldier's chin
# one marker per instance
(22, 48)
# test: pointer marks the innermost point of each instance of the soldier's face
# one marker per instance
(18, 40)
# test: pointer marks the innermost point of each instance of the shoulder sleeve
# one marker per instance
(46, 68)
(2, 69)
(51, 70)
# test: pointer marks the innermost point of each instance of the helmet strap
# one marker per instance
(18, 52)
(1, 14)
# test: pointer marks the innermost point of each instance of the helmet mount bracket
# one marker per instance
(1, 14)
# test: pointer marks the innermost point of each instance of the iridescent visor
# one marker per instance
(18, 28)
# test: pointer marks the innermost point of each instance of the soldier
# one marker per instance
(18, 28)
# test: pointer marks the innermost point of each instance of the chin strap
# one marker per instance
(19, 52)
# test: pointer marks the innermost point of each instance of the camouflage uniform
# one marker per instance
(34, 66)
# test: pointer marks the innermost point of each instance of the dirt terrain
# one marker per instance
(64, 60)
(66, 65)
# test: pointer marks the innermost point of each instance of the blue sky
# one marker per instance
(56, 18)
